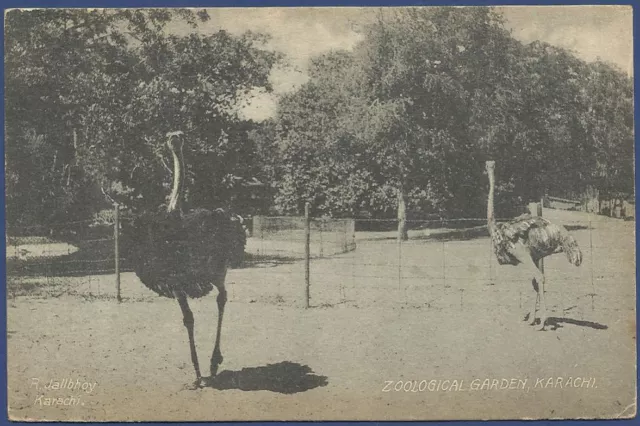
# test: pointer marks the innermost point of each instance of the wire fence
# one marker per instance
(66, 258)
(79, 257)
(449, 264)
(445, 264)
(457, 268)
(275, 236)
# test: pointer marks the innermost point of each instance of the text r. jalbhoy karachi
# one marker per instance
(64, 384)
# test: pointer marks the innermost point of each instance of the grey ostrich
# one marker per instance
(181, 255)
(526, 240)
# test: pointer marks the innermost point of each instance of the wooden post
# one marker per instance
(320, 234)
(116, 238)
(344, 236)
(540, 214)
(491, 261)
(307, 253)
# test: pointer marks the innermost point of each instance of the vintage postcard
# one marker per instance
(356, 213)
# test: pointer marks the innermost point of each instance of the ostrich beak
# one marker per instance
(489, 165)
(172, 136)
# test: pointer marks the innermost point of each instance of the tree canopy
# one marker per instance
(91, 94)
(407, 118)
(398, 126)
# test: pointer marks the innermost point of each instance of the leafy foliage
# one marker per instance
(401, 123)
(91, 94)
(427, 96)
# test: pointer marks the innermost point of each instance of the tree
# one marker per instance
(53, 58)
(92, 93)
(320, 160)
(398, 104)
(605, 122)
(406, 119)
(193, 84)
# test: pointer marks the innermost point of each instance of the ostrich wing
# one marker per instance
(542, 237)
(519, 227)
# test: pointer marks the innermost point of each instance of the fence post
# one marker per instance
(540, 214)
(116, 238)
(307, 253)
(344, 236)
(593, 287)
(321, 240)
(491, 250)
(444, 264)
(399, 243)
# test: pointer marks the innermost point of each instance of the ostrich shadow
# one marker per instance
(576, 227)
(253, 260)
(284, 377)
(555, 323)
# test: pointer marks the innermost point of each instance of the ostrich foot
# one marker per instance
(216, 360)
(197, 384)
(531, 318)
(543, 322)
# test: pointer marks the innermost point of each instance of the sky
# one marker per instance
(591, 32)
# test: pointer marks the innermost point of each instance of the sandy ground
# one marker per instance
(389, 331)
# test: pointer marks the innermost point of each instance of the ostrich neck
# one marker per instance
(174, 199)
(491, 220)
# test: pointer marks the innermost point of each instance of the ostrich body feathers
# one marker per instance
(188, 253)
(542, 237)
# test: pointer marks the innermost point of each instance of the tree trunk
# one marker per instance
(402, 215)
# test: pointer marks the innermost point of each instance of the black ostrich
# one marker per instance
(181, 255)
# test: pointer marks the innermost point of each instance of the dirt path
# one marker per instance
(379, 321)
(286, 363)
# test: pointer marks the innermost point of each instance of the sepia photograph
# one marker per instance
(320, 213)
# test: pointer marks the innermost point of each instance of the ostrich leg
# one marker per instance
(216, 357)
(187, 318)
(543, 306)
(522, 253)
(531, 318)
(538, 285)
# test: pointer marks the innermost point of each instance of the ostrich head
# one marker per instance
(490, 167)
(175, 142)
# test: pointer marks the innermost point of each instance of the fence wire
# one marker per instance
(71, 258)
(445, 264)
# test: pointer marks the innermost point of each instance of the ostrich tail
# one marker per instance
(571, 249)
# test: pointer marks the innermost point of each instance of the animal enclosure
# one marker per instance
(443, 265)
(79, 258)
(438, 305)
(285, 236)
